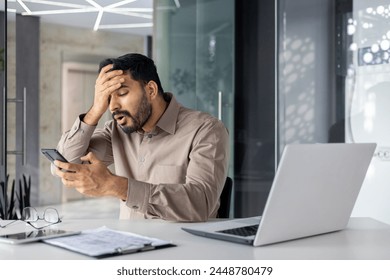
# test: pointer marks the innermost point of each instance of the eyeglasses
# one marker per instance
(50, 215)
(30, 215)
(4, 226)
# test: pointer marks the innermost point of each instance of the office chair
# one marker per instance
(225, 198)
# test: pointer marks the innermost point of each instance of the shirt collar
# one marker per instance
(168, 120)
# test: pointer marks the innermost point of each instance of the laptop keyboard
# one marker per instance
(241, 231)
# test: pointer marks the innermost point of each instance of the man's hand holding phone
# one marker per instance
(92, 179)
(53, 155)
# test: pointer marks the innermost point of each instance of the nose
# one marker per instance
(113, 103)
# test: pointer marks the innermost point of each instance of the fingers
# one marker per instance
(108, 76)
(69, 179)
(71, 167)
(88, 179)
(73, 184)
(78, 181)
(90, 157)
(106, 69)
(107, 82)
(106, 86)
(69, 183)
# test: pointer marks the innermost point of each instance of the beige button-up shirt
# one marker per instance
(176, 173)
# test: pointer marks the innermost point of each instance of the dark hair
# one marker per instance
(141, 68)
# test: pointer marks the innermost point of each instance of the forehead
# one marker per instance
(129, 79)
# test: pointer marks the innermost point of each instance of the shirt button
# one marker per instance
(141, 159)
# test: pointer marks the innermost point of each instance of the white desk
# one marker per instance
(364, 238)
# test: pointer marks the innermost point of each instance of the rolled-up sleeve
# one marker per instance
(83, 138)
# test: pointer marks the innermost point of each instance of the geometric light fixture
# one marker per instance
(100, 7)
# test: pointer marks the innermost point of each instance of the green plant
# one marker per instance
(12, 202)
(5, 204)
(23, 196)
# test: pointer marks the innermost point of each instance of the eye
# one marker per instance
(122, 92)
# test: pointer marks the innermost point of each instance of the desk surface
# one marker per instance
(364, 239)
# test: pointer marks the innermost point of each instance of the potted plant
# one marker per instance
(14, 200)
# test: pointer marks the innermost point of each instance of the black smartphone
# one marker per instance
(53, 154)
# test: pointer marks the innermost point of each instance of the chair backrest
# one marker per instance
(225, 199)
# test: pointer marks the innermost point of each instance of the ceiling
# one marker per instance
(126, 16)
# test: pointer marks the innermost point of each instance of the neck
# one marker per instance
(158, 109)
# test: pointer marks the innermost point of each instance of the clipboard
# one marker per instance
(104, 242)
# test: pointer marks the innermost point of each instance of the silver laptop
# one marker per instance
(313, 192)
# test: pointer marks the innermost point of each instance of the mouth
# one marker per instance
(120, 119)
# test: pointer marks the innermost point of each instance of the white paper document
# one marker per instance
(103, 242)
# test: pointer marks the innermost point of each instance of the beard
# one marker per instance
(139, 119)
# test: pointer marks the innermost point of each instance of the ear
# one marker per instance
(152, 89)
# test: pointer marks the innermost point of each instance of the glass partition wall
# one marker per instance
(194, 49)
(194, 54)
(306, 87)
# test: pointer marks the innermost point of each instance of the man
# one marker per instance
(170, 161)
